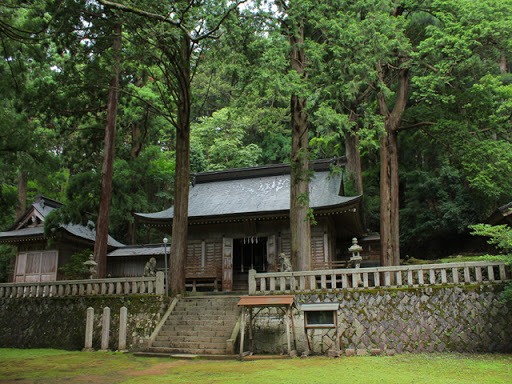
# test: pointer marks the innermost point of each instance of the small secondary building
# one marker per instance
(38, 258)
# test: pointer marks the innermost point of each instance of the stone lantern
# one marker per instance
(354, 250)
(91, 264)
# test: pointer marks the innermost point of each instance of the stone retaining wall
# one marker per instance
(441, 319)
(59, 322)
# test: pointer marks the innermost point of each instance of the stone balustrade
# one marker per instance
(381, 277)
(108, 287)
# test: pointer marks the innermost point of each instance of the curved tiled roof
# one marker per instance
(257, 195)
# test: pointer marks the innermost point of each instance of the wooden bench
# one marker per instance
(203, 277)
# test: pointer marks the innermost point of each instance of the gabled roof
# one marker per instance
(141, 250)
(30, 226)
(257, 191)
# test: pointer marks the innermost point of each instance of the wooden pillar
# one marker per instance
(251, 336)
(287, 315)
(242, 336)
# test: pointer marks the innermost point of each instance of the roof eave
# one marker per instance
(354, 203)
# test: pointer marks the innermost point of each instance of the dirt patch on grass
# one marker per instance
(161, 368)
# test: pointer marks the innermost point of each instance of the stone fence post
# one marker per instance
(105, 329)
(123, 317)
(160, 286)
(252, 281)
(89, 326)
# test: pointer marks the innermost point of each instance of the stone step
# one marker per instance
(210, 323)
(191, 351)
(205, 303)
(194, 333)
(179, 339)
(205, 317)
(211, 307)
(198, 327)
(199, 309)
(190, 344)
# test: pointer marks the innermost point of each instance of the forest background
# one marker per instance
(427, 82)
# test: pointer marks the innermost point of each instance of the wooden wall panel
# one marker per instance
(317, 251)
(214, 253)
(194, 253)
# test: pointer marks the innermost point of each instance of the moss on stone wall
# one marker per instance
(465, 318)
(60, 322)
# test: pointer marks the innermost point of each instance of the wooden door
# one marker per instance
(227, 264)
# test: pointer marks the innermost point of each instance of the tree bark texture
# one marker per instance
(21, 205)
(179, 238)
(107, 170)
(354, 158)
(389, 179)
(300, 223)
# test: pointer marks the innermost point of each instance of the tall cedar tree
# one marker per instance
(107, 170)
(300, 221)
(177, 68)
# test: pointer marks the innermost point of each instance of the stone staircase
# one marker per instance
(198, 326)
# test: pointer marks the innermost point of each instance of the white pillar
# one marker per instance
(123, 320)
(160, 283)
(105, 329)
(89, 324)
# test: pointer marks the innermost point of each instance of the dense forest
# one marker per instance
(416, 94)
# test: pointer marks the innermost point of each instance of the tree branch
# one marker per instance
(165, 19)
(416, 125)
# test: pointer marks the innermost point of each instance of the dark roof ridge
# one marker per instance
(46, 201)
(262, 171)
(151, 245)
(505, 207)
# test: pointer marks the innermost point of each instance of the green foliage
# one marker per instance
(435, 204)
(501, 237)
(222, 139)
(7, 255)
(75, 269)
(455, 150)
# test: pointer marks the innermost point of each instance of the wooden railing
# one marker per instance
(380, 277)
(119, 286)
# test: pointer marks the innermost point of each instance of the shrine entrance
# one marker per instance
(248, 253)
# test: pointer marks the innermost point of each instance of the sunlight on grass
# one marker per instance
(52, 366)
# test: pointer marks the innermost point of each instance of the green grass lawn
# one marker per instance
(54, 366)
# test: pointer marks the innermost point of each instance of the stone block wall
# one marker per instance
(442, 319)
(60, 322)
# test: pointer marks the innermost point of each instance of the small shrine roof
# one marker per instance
(266, 301)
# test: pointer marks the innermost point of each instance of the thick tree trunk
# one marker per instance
(179, 239)
(354, 159)
(394, 195)
(503, 64)
(132, 232)
(389, 179)
(300, 223)
(385, 204)
(107, 170)
(21, 205)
